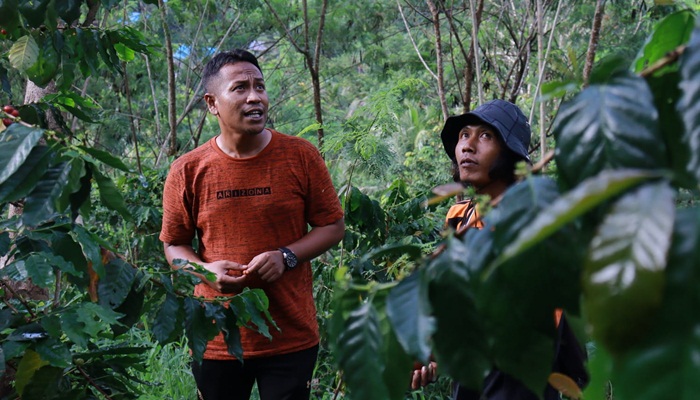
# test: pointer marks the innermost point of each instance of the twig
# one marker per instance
(93, 383)
(670, 57)
(18, 297)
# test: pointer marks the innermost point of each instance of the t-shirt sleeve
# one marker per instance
(178, 225)
(322, 203)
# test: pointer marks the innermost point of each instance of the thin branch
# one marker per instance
(670, 57)
(475, 41)
(132, 123)
(408, 30)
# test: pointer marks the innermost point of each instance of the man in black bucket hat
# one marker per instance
(485, 145)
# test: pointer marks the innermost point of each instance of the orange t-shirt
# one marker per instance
(239, 208)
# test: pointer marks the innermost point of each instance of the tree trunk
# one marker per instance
(593, 43)
(435, 13)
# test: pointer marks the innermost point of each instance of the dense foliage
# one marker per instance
(111, 93)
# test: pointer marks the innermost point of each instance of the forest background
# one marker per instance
(107, 94)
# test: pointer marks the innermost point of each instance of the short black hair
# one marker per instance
(217, 62)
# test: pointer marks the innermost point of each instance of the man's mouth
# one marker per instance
(254, 113)
(468, 162)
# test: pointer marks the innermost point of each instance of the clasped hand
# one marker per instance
(233, 277)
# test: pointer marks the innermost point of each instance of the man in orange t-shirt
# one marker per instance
(249, 195)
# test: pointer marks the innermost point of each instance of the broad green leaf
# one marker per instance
(667, 92)
(105, 157)
(359, 342)
(90, 248)
(611, 126)
(396, 250)
(460, 343)
(667, 359)
(608, 68)
(689, 103)
(571, 205)
(28, 366)
(169, 321)
(199, 328)
(226, 321)
(624, 274)
(70, 252)
(110, 195)
(519, 206)
(73, 183)
(409, 311)
(24, 53)
(55, 352)
(40, 270)
(256, 305)
(83, 108)
(114, 287)
(89, 61)
(22, 182)
(96, 318)
(40, 204)
(17, 143)
(671, 32)
(125, 53)
(45, 68)
(131, 308)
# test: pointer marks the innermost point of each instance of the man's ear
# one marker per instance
(210, 99)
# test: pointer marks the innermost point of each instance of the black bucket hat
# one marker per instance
(503, 116)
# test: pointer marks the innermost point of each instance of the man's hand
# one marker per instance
(230, 276)
(423, 375)
(269, 265)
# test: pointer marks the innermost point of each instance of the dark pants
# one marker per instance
(282, 377)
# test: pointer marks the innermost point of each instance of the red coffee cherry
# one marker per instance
(7, 121)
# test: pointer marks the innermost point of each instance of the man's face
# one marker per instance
(476, 151)
(237, 96)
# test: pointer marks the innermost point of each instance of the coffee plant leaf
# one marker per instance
(169, 320)
(624, 273)
(17, 143)
(610, 126)
(689, 103)
(199, 328)
(21, 183)
(671, 32)
(409, 311)
(40, 204)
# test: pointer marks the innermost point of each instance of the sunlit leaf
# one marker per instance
(571, 205)
(17, 143)
(611, 126)
(671, 32)
(667, 358)
(624, 275)
(24, 53)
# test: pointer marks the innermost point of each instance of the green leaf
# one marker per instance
(666, 360)
(199, 328)
(9, 16)
(115, 286)
(34, 11)
(689, 103)
(608, 68)
(600, 368)
(169, 321)
(125, 53)
(55, 352)
(409, 311)
(110, 195)
(45, 68)
(40, 204)
(105, 157)
(4, 243)
(28, 366)
(361, 341)
(624, 274)
(612, 126)
(68, 10)
(573, 204)
(226, 321)
(671, 32)
(40, 270)
(24, 53)
(17, 143)
(396, 250)
(90, 248)
(73, 183)
(460, 344)
(253, 304)
(23, 181)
